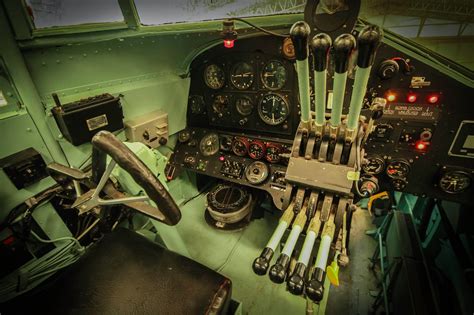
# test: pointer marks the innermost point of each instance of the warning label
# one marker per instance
(411, 111)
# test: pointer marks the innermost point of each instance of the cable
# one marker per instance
(258, 27)
(64, 238)
(88, 229)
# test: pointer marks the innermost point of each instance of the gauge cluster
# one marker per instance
(252, 92)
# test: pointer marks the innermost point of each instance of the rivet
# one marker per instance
(96, 51)
(58, 61)
(50, 114)
(70, 57)
(60, 136)
(109, 49)
(85, 55)
(43, 63)
(28, 129)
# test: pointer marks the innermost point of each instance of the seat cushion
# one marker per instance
(126, 273)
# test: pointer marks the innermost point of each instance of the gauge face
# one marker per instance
(257, 172)
(274, 75)
(273, 109)
(220, 105)
(244, 105)
(374, 166)
(196, 104)
(257, 150)
(214, 76)
(398, 169)
(242, 75)
(454, 182)
(226, 143)
(273, 153)
(240, 147)
(184, 136)
(209, 144)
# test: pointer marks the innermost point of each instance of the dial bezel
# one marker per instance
(244, 142)
(465, 174)
(262, 147)
(232, 73)
(206, 80)
(263, 72)
(262, 115)
(201, 144)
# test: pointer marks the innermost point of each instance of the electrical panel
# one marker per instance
(24, 168)
(150, 129)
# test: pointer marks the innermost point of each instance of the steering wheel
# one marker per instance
(105, 143)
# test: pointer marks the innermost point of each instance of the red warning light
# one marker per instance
(411, 98)
(228, 43)
(221, 158)
(391, 97)
(421, 145)
(432, 99)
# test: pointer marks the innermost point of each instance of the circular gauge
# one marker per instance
(399, 183)
(274, 75)
(454, 182)
(240, 146)
(374, 166)
(184, 136)
(273, 153)
(242, 75)
(196, 104)
(257, 150)
(257, 172)
(398, 169)
(288, 48)
(273, 109)
(226, 143)
(244, 105)
(220, 105)
(209, 144)
(214, 76)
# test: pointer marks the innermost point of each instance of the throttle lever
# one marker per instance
(261, 263)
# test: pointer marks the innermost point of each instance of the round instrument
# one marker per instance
(257, 150)
(226, 143)
(398, 169)
(273, 109)
(196, 104)
(273, 153)
(274, 75)
(242, 75)
(257, 172)
(209, 144)
(399, 183)
(374, 166)
(214, 76)
(454, 182)
(220, 105)
(244, 105)
(184, 136)
(240, 146)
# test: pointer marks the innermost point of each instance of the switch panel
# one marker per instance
(150, 129)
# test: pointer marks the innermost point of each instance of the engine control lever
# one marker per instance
(279, 270)
(261, 263)
(299, 34)
(315, 287)
(296, 281)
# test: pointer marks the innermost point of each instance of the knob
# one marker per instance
(367, 43)
(388, 69)
(261, 263)
(278, 270)
(299, 34)
(315, 287)
(296, 281)
(343, 46)
(320, 45)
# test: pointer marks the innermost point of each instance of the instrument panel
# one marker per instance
(422, 144)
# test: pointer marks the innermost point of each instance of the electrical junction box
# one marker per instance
(150, 129)
(24, 168)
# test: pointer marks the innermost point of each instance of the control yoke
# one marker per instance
(105, 143)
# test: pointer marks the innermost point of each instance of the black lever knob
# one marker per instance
(261, 263)
(296, 281)
(367, 43)
(343, 46)
(315, 287)
(320, 45)
(299, 34)
(278, 270)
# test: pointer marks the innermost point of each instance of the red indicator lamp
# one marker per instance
(411, 98)
(421, 145)
(229, 35)
(391, 97)
(221, 158)
(432, 99)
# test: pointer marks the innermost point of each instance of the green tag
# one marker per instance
(352, 175)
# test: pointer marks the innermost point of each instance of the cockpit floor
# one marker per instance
(232, 254)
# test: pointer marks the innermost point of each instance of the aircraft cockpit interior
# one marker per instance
(236, 157)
